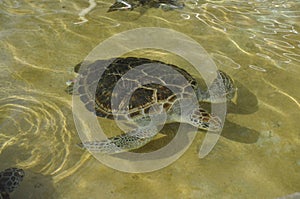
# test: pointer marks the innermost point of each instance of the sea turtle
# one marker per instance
(10, 179)
(140, 108)
(131, 4)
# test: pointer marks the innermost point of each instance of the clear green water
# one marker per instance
(256, 42)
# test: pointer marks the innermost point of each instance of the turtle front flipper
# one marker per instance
(124, 142)
(202, 119)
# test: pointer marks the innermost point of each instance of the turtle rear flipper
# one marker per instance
(120, 5)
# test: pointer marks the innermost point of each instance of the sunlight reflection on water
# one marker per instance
(256, 42)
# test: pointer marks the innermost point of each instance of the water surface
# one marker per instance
(256, 42)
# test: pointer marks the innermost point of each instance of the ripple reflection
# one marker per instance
(35, 132)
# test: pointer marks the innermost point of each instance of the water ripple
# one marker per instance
(211, 20)
(276, 27)
(35, 131)
(257, 68)
(225, 61)
(10, 3)
(272, 27)
(278, 43)
(292, 56)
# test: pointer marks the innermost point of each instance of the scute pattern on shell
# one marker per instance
(10, 179)
(132, 78)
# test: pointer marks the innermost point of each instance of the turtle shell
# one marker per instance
(10, 179)
(136, 83)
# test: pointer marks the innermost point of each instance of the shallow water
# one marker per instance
(256, 42)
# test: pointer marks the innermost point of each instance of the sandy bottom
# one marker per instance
(257, 155)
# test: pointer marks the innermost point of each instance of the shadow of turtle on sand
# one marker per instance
(245, 103)
(35, 185)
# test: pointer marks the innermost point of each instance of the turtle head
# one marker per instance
(222, 88)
